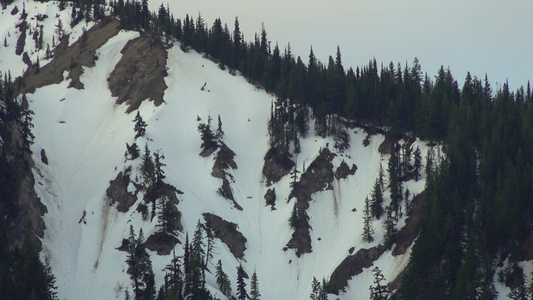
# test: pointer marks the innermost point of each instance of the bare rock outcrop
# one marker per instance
(228, 233)
(140, 73)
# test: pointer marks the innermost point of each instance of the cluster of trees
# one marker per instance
(153, 174)
(22, 273)
(403, 165)
(184, 275)
(318, 290)
(210, 138)
(478, 199)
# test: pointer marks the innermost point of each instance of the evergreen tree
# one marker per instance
(316, 286)
(27, 135)
(242, 294)
(390, 221)
(223, 281)
(377, 198)
(394, 181)
(140, 267)
(367, 225)
(378, 291)
(159, 173)
(220, 133)
(418, 163)
(294, 220)
(148, 173)
(237, 40)
(430, 157)
(408, 204)
(140, 126)
(166, 216)
(59, 29)
(209, 247)
(207, 135)
(254, 288)
(323, 293)
(195, 277)
(173, 280)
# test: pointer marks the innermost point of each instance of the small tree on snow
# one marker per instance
(223, 281)
(220, 132)
(294, 219)
(367, 225)
(319, 290)
(378, 291)
(140, 126)
(254, 288)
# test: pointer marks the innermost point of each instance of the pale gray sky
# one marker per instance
(480, 36)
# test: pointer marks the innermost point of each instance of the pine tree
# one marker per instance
(430, 160)
(220, 133)
(165, 216)
(315, 294)
(148, 174)
(294, 220)
(237, 39)
(27, 125)
(59, 29)
(159, 173)
(223, 281)
(207, 135)
(195, 283)
(408, 203)
(394, 181)
(367, 225)
(140, 266)
(390, 221)
(378, 291)
(242, 294)
(418, 163)
(140, 126)
(377, 199)
(254, 288)
(323, 293)
(209, 247)
(174, 279)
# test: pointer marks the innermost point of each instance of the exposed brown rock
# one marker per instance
(69, 58)
(318, 176)
(227, 233)
(140, 73)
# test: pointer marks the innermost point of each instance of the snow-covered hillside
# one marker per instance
(84, 134)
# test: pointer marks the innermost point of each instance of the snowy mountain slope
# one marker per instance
(86, 152)
(84, 134)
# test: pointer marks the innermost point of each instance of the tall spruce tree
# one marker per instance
(377, 199)
(417, 164)
(242, 294)
(223, 281)
(254, 288)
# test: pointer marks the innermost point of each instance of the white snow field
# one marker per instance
(84, 134)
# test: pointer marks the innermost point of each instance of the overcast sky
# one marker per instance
(480, 36)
